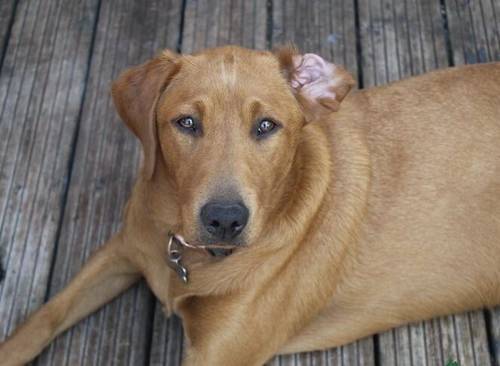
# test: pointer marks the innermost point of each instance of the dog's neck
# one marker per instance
(320, 183)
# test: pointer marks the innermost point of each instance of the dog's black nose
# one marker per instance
(224, 220)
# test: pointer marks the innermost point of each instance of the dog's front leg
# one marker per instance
(237, 329)
(107, 274)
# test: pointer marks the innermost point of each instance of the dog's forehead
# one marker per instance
(233, 66)
(235, 57)
(232, 80)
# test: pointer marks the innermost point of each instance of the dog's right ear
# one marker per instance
(135, 95)
(318, 85)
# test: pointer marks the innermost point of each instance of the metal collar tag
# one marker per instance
(176, 243)
(174, 257)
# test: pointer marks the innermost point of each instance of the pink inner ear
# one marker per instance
(313, 77)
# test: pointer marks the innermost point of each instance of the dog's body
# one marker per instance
(429, 243)
(385, 212)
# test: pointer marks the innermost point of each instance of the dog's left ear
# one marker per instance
(136, 93)
(318, 85)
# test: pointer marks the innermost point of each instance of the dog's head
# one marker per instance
(223, 126)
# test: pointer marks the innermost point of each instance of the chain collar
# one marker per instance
(175, 248)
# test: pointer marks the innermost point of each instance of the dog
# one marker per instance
(276, 212)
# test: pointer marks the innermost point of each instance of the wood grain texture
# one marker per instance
(7, 15)
(474, 30)
(400, 39)
(323, 27)
(494, 315)
(167, 339)
(210, 23)
(104, 169)
(41, 88)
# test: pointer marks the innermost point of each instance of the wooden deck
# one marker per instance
(67, 163)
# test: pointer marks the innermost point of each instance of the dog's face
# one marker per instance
(226, 124)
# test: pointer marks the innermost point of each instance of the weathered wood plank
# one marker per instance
(208, 23)
(400, 39)
(7, 15)
(459, 338)
(167, 339)
(328, 29)
(474, 30)
(104, 168)
(464, 339)
(360, 353)
(41, 88)
(494, 315)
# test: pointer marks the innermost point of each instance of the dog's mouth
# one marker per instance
(215, 248)
(220, 252)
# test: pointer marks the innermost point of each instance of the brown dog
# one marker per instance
(334, 225)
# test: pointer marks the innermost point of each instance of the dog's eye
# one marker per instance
(188, 124)
(265, 126)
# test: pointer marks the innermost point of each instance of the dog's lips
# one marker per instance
(212, 248)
